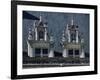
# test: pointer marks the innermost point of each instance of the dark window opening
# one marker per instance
(73, 37)
(45, 51)
(76, 52)
(41, 35)
(70, 52)
(37, 51)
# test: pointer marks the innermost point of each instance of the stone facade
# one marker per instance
(42, 45)
(73, 46)
(39, 43)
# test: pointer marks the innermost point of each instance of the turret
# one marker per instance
(30, 34)
(63, 37)
(30, 50)
(51, 53)
(82, 55)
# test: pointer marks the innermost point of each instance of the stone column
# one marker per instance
(65, 52)
(45, 35)
(33, 52)
(30, 50)
(41, 54)
(69, 36)
(36, 34)
(82, 55)
(74, 53)
(76, 36)
(51, 53)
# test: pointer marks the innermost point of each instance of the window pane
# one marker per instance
(45, 51)
(37, 51)
(73, 37)
(70, 52)
(76, 52)
(41, 35)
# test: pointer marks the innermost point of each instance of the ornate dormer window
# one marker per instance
(41, 35)
(40, 30)
(73, 35)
